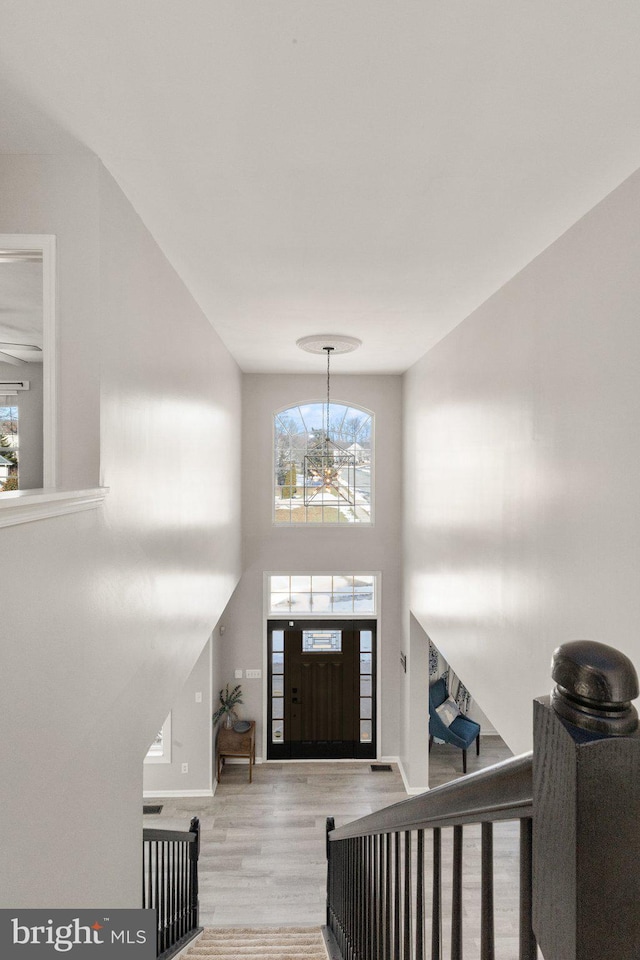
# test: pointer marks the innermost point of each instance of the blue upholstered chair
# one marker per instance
(462, 731)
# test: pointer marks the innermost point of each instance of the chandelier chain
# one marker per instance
(328, 349)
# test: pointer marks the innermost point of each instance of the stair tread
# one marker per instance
(266, 943)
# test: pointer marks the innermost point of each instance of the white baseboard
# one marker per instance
(412, 791)
(153, 794)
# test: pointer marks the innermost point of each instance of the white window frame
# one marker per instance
(297, 615)
(366, 524)
(165, 755)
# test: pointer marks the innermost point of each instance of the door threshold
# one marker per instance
(320, 760)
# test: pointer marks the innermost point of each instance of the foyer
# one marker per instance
(263, 861)
(457, 185)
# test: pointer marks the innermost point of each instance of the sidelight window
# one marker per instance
(366, 686)
(277, 686)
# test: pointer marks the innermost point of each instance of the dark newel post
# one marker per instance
(586, 808)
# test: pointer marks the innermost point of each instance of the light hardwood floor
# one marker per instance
(263, 844)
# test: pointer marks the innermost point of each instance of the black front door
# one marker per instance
(322, 689)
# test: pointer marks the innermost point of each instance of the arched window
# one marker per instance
(323, 471)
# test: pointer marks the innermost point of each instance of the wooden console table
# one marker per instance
(230, 743)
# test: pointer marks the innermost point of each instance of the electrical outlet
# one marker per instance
(199, 697)
(185, 768)
(254, 674)
(238, 675)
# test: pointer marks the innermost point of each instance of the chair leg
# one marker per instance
(464, 761)
(430, 743)
(478, 745)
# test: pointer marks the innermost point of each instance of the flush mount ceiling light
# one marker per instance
(336, 342)
(329, 469)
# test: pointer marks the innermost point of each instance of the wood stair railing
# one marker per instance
(577, 798)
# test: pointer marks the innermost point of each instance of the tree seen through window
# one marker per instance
(8, 446)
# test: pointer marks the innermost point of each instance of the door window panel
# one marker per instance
(321, 641)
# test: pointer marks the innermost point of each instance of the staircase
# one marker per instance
(392, 894)
(576, 799)
(266, 943)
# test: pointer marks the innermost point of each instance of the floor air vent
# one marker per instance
(380, 768)
(152, 808)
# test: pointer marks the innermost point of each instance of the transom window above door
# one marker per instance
(323, 464)
(327, 594)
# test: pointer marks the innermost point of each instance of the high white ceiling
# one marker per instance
(375, 168)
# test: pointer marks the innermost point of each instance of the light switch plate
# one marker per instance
(238, 675)
(254, 674)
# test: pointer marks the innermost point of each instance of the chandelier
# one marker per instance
(329, 467)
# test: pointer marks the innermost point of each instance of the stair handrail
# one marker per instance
(503, 791)
(170, 885)
(576, 797)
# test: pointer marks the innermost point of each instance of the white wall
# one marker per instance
(62, 192)
(191, 739)
(279, 548)
(105, 613)
(522, 462)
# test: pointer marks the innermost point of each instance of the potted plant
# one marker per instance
(228, 702)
